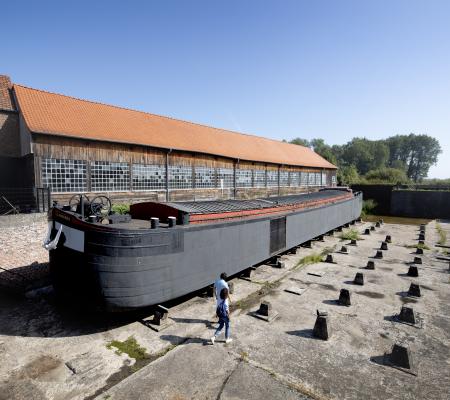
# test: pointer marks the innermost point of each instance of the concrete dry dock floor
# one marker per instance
(281, 359)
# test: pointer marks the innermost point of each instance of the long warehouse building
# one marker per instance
(79, 146)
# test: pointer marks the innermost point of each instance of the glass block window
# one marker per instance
(148, 177)
(109, 176)
(284, 178)
(259, 177)
(205, 177)
(225, 177)
(272, 178)
(324, 179)
(180, 177)
(294, 178)
(304, 178)
(244, 178)
(64, 175)
(311, 179)
(318, 179)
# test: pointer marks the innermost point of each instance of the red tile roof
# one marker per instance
(56, 114)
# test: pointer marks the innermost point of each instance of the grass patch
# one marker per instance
(130, 347)
(314, 258)
(417, 246)
(351, 234)
(442, 234)
(368, 207)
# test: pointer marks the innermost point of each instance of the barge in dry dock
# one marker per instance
(132, 263)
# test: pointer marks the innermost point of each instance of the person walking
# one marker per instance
(223, 312)
(220, 284)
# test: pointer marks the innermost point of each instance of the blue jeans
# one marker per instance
(223, 321)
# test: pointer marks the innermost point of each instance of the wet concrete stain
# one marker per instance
(386, 268)
(39, 367)
(372, 295)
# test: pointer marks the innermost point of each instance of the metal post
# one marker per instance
(167, 175)
(279, 169)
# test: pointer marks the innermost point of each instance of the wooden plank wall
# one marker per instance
(50, 146)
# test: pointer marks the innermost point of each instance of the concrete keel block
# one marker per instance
(419, 250)
(344, 297)
(372, 228)
(265, 308)
(384, 246)
(354, 242)
(266, 312)
(247, 273)
(210, 291)
(322, 328)
(413, 271)
(417, 260)
(370, 264)
(414, 290)
(359, 279)
(421, 242)
(377, 224)
(367, 231)
(379, 254)
(400, 356)
(329, 258)
(421, 237)
(407, 315)
(280, 264)
(344, 250)
(388, 239)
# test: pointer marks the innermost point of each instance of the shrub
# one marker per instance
(121, 208)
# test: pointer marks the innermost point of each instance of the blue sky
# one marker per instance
(281, 69)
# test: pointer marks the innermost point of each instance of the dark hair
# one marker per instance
(224, 293)
(223, 275)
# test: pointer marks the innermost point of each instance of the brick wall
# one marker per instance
(9, 121)
(9, 134)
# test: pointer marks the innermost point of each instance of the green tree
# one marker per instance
(387, 175)
(300, 141)
(324, 150)
(417, 153)
(347, 175)
(365, 154)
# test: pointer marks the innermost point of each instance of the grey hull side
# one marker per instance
(131, 270)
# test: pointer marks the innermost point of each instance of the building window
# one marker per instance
(304, 178)
(312, 179)
(225, 177)
(244, 178)
(148, 177)
(324, 179)
(64, 175)
(180, 177)
(110, 176)
(294, 179)
(284, 178)
(333, 180)
(259, 177)
(318, 179)
(205, 177)
(272, 178)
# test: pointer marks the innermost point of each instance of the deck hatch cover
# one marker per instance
(277, 234)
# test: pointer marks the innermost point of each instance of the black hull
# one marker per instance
(126, 269)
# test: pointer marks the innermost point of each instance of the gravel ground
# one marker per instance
(23, 260)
